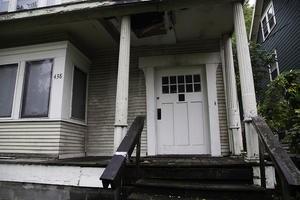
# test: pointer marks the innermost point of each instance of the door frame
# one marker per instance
(210, 62)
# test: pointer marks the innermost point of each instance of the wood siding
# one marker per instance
(102, 93)
(225, 150)
(50, 139)
(285, 37)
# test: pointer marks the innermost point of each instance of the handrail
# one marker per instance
(114, 171)
(288, 172)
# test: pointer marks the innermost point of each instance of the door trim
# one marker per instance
(210, 61)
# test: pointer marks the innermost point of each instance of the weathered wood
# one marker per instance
(288, 172)
(281, 160)
(116, 167)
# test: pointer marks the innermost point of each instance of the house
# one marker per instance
(275, 25)
(74, 74)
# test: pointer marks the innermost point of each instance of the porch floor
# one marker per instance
(102, 161)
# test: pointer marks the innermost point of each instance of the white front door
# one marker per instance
(181, 111)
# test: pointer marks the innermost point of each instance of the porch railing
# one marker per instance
(287, 171)
(113, 173)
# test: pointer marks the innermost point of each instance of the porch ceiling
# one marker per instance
(187, 23)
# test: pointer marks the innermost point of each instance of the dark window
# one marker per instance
(79, 94)
(8, 74)
(37, 87)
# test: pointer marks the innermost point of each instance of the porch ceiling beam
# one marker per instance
(67, 13)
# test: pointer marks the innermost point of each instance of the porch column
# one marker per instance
(247, 83)
(232, 100)
(123, 83)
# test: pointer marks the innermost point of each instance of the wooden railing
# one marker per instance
(287, 171)
(113, 173)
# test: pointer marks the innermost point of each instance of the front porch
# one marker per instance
(196, 175)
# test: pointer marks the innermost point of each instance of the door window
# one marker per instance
(181, 84)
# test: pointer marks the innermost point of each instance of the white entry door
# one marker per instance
(181, 112)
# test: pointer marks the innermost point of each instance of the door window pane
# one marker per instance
(37, 87)
(79, 94)
(188, 79)
(173, 80)
(8, 75)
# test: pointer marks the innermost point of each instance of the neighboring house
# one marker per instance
(72, 73)
(276, 26)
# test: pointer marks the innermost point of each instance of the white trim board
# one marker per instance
(56, 175)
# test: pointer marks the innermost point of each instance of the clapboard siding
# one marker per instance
(50, 139)
(102, 92)
(285, 37)
(222, 112)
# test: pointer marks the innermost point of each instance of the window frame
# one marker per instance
(14, 89)
(276, 67)
(265, 16)
(25, 91)
(86, 93)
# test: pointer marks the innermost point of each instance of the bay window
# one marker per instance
(36, 87)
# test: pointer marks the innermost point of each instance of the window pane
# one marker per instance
(165, 89)
(274, 74)
(165, 80)
(271, 17)
(173, 80)
(264, 27)
(189, 88)
(173, 88)
(181, 88)
(8, 75)
(4, 5)
(26, 4)
(37, 88)
(180, 79)
(197, 78)
(188, 79)
(79, 94)
(197, 88)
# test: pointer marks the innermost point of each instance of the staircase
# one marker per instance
(194, 178)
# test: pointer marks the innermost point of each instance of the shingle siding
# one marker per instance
(285, 37)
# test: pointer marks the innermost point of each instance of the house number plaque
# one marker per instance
(58, 76)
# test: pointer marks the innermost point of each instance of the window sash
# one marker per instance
(268, 21)
(37, 88)
(8, 75)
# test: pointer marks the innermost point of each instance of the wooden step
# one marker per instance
(166, 189)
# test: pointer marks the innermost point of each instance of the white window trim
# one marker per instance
(266, 15)
(59, 108)
(276, 64)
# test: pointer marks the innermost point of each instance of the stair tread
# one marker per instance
(187, 184)
(137, 196)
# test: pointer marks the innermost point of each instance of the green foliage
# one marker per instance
(293, 138)
(260, 61)
(281, 105)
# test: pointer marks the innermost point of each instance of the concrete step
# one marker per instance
(168, 189)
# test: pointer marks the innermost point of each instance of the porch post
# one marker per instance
(123, 83)
(247, 83)
(232, 100)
